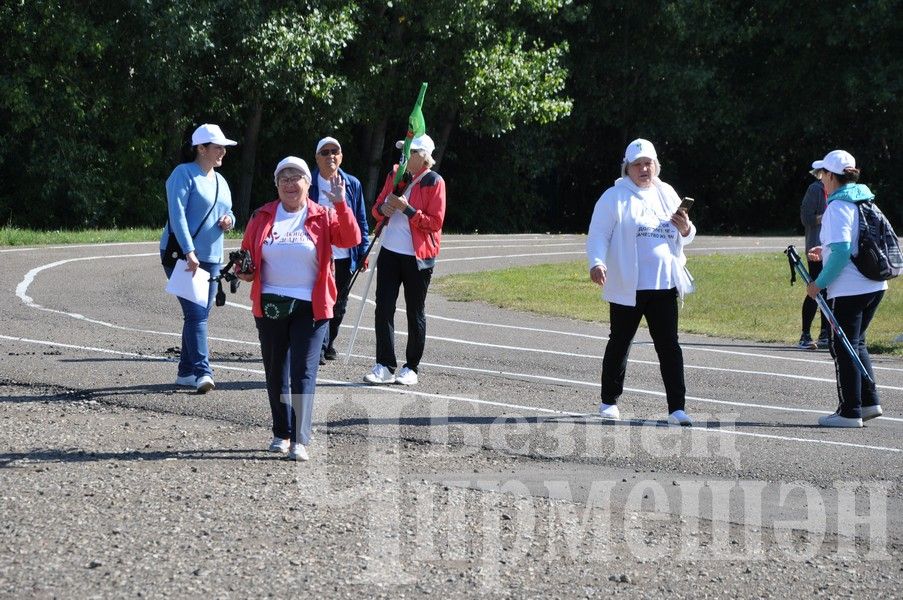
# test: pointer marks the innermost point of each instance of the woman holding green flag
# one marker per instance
(409, 250)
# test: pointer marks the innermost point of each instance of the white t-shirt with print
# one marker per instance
(840, 223)
(325, 187)
(654, 235)
(290, 262)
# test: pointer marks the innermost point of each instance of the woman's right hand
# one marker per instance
(597, 274)
(814, 254)
(192, 261)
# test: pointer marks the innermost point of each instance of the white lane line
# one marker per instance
(22, 288)
(596, 356)
(526, 244)
(465, 399)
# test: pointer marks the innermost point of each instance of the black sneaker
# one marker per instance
(322, 358)
(330, 354)
(806, 343)
(824, 341)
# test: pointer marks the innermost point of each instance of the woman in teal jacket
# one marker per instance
(853, 297)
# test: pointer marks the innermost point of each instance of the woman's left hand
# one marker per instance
(225, 223)
(397, 202)
(812, 290)
(682, 221)
(337, 193)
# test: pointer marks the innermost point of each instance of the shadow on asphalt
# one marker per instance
(130, 390)
(79, 456)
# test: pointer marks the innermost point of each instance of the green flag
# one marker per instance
(416, 127)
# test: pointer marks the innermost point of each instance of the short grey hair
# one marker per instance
(427, 158)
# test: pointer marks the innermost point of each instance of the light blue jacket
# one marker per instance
(189, 196)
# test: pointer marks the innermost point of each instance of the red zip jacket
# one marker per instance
(326, 228)
(428, 199)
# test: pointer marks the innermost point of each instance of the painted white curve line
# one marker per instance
(22, 288)
(465, 399)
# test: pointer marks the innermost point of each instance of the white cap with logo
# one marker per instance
(210, 134)
(836, 161)
(639, 148)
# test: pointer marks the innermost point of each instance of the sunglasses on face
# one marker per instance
(329, 152)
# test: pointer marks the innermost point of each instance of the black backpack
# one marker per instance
(879, 255)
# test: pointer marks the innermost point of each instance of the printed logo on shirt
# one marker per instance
(298, 236)
(664, 231)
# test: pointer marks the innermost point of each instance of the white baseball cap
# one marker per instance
(836, 161)
(639, 148)
(210, 134)
(294, 162)
(328, 140)
(422, 142)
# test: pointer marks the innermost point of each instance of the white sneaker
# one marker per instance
(279, 445)
(610, 412)
(379, 374)
(298, 452)
(187, 381)
(870, 412)
(205, 384)
(406, 377)
(679, 417)
(836, 420)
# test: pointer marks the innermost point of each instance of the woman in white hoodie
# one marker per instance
(635, 252)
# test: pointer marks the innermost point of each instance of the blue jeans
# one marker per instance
(194, 358)
(290, 349)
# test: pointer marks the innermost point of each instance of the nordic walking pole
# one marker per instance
(796, 263)
(360, 314)
(416, 127)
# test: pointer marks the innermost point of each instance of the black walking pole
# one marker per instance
(797, 264)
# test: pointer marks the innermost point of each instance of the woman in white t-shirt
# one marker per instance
(293, 292)
(853, 297)
(635, 251)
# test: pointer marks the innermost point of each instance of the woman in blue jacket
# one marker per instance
(200, 211)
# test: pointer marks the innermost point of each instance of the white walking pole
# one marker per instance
(374, 251)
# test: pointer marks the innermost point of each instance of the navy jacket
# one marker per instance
(354, 196)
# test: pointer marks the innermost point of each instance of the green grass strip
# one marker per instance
(13, 236)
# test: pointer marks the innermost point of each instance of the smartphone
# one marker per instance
(686, 203)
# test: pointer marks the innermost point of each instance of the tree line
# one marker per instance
(531, 102)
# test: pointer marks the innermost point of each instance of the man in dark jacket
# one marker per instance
(329, 158)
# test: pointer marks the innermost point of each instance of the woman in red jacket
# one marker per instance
(409, 249)
(293, 291)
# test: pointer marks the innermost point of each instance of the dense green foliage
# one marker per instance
(531, 102)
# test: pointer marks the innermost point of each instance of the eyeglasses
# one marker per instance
(290, 179)
(329, 152)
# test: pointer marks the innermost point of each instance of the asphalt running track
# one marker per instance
(94, 318)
